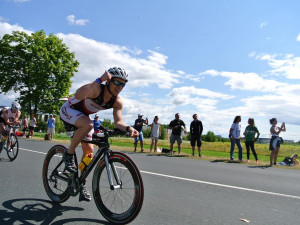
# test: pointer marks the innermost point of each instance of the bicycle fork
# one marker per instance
(111, 167)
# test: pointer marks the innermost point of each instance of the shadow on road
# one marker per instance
(224, 161)
(39, 211)
(260, 167)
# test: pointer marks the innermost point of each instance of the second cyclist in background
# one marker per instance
(9, 116)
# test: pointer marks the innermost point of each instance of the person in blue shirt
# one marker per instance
(51, 127)
(138, 125)
(97, 124)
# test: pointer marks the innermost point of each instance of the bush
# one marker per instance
(163, 133)
(59, 126)
(41, 126)
(210, 137)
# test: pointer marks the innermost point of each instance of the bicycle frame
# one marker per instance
(85, 173)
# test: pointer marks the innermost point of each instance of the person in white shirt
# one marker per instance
(235, 138)
(155, 133)
(275, 140)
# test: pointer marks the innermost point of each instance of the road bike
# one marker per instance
(117, 184)
(9, 142)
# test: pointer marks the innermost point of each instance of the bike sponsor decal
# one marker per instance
(65, 112)
(120, 157)
(90, 106)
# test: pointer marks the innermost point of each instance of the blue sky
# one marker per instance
(215, 58)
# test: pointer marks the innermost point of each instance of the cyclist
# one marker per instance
(9, 116)
(89, 99)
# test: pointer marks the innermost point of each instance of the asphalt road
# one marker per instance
(177, 191)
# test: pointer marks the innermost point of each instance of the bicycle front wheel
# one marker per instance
(12, 147)
(124, 203)
(55, 180)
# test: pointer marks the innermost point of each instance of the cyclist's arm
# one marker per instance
(5, 116)
(16, 120)
(90, 90)
(119, 124)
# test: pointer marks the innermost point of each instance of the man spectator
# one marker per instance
(138, 125)
(51, 127)
(175, 125)
(196, 129)
(97, 124)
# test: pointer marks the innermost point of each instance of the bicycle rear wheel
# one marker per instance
(55, 180)
(12, 147)
(120, 205)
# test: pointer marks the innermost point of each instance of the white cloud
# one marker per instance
(298, 37)
(79, 22)
(288, 65)
(95, 57)
(263, 24)
(246, 81)
(6, 28)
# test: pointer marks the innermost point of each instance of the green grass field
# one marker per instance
(213, 151)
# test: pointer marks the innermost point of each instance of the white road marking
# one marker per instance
(201, 181)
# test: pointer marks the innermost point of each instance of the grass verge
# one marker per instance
(212, 151)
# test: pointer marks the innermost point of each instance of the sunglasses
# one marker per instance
(118, 83)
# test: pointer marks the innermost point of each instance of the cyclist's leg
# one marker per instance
(84, 125)
(84, 195)
(72, 117)
(2, 125)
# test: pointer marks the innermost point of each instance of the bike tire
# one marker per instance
(56, 189)
(128, 200)
(13, 148)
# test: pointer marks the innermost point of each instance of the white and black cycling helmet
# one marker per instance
(118, 72)
(15, 106)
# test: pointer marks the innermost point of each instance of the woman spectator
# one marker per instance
(155, 133)
(249, 133)
(24, 126)
(235, 138)
(275, 140)
(32, 125)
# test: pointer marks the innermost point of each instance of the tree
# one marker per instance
(108, 124)
(37, 66)
(210, 137)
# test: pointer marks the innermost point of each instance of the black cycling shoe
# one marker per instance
(69, 163)
(84, 195)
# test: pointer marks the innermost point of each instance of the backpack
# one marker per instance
(46, 137)
(288, 161)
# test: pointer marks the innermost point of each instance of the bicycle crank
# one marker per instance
(73, 185)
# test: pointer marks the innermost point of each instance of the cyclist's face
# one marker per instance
(114, 88)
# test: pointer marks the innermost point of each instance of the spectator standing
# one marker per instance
(138, 125)
(235, 138)
(155, 133)
(24, 126)
(250, 132)
(175, 125)
(275, 140)
(196, 129)
(97, 124)
(32, 125)
(51, 127)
